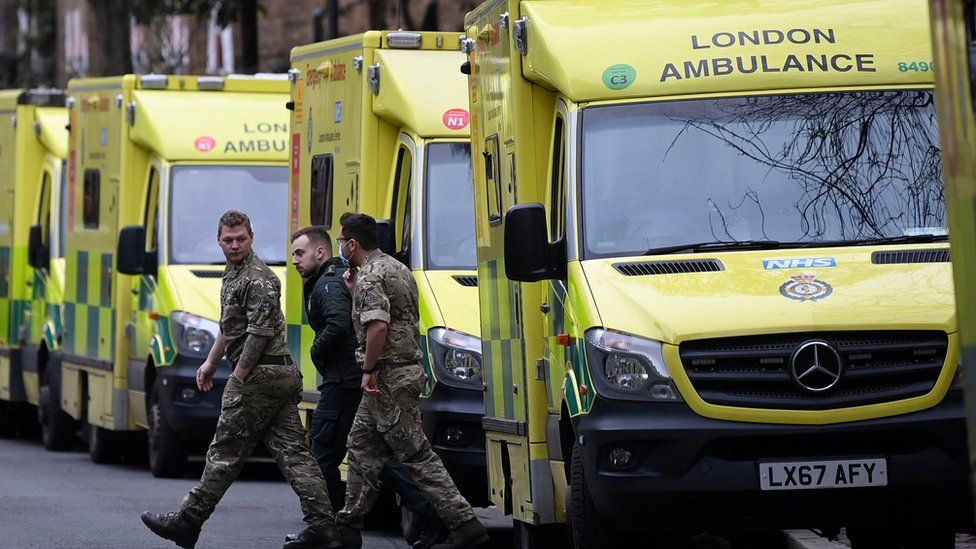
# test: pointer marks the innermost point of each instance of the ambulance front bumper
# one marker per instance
(452, 422)
(191, 413)
(692, 473)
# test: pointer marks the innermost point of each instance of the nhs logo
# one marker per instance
(801, 263)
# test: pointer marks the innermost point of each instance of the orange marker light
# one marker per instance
(153, 316)
(563, 339)
(583, 389)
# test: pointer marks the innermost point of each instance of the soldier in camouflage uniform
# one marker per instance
(387, 424)
(260, 401)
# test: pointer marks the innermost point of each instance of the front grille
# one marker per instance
(207, 274)
(466, 280)
(754, 371)
(680, 266)
(911, 256)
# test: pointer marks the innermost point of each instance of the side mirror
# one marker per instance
(38, 252)
(131, 255)
(529, 256)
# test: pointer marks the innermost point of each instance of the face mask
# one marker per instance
(342, 256)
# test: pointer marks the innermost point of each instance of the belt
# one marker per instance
(278, 360)
(380, 365)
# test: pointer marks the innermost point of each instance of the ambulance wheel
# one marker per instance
(167, 458)
(589, 529)
(930, 538)
(104, 446)
(57, 427)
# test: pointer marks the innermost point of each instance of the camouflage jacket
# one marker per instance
(386, 290)
(250, 303)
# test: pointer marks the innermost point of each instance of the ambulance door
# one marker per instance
(555, 305)
(143, 291)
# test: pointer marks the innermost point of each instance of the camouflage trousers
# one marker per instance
(388, 426)
(263, 407)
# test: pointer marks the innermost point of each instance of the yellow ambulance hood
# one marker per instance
(211, 125)
(430, 75)
(749, 298)
(53, 129)
(198, 288)
(456, 299)
(614, 49)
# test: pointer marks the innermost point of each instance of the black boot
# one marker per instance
(316, 537)
(470, 534)
(174, 527)
(430, 536)
(351, 537)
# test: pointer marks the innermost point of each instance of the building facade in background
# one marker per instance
(186, 44)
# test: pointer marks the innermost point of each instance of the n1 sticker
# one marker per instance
(457, 119)
(618, 77)
(205, 143)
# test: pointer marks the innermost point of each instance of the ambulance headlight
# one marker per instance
(456, 357)
(192, 334)
(629, 367)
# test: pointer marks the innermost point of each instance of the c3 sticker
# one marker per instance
(618, 77)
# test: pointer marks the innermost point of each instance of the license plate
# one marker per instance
(810, 475)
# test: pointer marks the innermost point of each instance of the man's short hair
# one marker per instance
(361, 228)
(316, 234)
(234, 218)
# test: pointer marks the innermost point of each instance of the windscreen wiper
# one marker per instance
(904, 239)
(715, 246)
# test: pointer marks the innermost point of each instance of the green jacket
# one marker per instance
(328, 307)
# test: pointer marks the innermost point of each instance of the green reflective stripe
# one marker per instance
(69, 328)
(94, 320)
(81, 279)
(106, 281)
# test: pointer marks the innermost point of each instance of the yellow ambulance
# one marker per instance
(33, 147)
(713, 267)
(154, 161)
(380, 126)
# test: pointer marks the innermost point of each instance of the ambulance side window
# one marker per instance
(493, 179)
(321, 191)
(63, 211)
(91, 195)
(401, 196)
(557, 183)
(150, 217)
(44, 208)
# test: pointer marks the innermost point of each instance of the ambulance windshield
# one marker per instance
(200, 194)
(449, 201)
(780, 170)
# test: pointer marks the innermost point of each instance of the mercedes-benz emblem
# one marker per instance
(816, 366)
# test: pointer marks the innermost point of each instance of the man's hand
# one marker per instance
(350, 278)
(370, 385)
(205, 375)
(240, 373)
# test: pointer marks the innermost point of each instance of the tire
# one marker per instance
(104, 446)
(873, 538)
(167, 457)
(589, 529)
(57, 428)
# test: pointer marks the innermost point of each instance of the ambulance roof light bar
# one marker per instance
(405, 40)
(154, 81)
(210, 83)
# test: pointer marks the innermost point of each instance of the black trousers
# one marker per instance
(331, 423)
